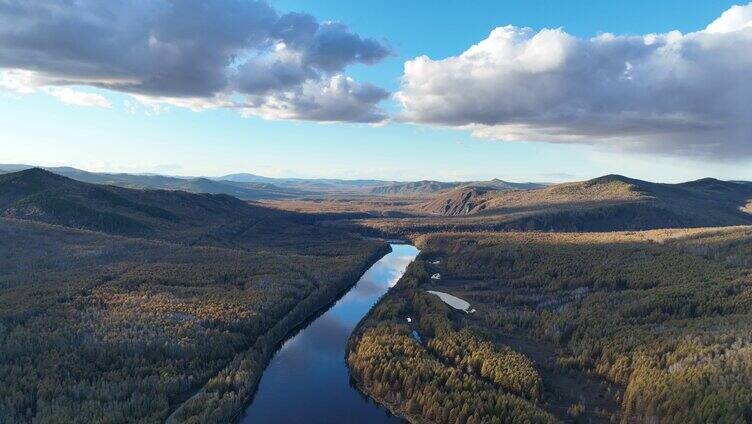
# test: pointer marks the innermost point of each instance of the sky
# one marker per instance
(517, 90)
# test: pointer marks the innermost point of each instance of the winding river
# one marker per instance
(307, 380)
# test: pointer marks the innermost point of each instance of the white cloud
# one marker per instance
(79, 98)
(338, 99)
(673, 93)
(17, 81)
(27, 82)
(734, 19)
(188, 53)
(159, 104)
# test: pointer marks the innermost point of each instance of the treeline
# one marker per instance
(456, 377)
(397, 371)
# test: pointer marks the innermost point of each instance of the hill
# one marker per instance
(699, 203)
(39, 195)
(597, 191)
(242, 190)
(608, 203)
(412, 188)
(247, 186)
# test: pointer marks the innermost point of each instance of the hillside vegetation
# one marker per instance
(458, 376)
(178, 216)
(603, 204)
(241, 190)
(120, 305)
(243, 186)
(661, 318)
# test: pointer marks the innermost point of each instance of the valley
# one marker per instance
(608, 300)
(423, 212)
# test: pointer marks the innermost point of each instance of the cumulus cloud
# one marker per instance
(187, 52)
(318, 101)
(681, 94)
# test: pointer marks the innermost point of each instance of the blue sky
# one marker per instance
(37, 128)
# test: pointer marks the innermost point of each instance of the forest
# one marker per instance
(660, 319)
(175, 317)
(457, 377)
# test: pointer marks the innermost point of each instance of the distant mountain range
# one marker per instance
(209, 219)
(611, 202)
(431, 187)
(250, 190)
(255, 187)
(314, 184)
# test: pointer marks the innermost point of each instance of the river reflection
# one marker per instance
(307, 380)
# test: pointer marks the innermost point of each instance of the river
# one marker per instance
(307, 380)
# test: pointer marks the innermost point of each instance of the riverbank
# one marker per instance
(224, 397)
(394, 406)
(455, 375)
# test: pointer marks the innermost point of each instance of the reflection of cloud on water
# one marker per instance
(384, 274)
(398, 260)
(397, 266)
(331, 329)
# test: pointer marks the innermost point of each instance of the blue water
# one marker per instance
(307, 380)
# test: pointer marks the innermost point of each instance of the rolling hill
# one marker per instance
(708, 200)
(242, 190)
(217, 219)
(247, 186)
(607, 203)
(412, 188)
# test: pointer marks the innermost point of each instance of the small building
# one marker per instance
(436, 262)
(436, 276)
(409, 319)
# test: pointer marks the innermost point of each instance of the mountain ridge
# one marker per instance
(39, 195)
(244, 191)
